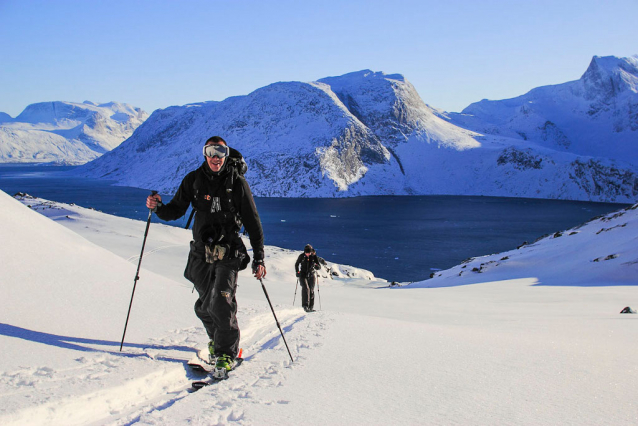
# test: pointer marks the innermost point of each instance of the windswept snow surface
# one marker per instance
(537, 339)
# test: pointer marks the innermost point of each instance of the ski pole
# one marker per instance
(276, 320)
(295, 298)
(318, 292)
(137, 273)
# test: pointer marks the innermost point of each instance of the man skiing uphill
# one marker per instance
(222, 201)
(305, 267)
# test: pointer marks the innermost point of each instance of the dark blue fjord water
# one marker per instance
(398, 238)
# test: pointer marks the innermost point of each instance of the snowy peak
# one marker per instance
(391, 108)
(594, 116)
(62, 112)
(52, 112)
(377, 99)
(366, 78)
(608, 76)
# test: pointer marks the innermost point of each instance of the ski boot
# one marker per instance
(223, 365)
(212, 358)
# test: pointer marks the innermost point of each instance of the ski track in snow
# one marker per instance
(166, 378)
(265, 365)
(150, 252)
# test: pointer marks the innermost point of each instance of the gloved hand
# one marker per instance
(298, 274)
(259, 268)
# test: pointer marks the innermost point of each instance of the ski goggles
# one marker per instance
(220, 151)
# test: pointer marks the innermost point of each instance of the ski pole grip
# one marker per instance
(150, 211)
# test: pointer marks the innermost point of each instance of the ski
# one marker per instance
(200, 364)
(198, 384)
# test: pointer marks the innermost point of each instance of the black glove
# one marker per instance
(298, 274)
(257, 263)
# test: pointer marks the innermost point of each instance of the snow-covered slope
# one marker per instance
(596, 115)
(499, 351)
(66, 132)
(601, 252)
(363, 133)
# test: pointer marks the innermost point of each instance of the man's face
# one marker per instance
(215, 163)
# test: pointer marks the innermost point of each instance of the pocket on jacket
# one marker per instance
(194, 264)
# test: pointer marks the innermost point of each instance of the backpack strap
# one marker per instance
(229, 183)
(190, 218)
(197, 185)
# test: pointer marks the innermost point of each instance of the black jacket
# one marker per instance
(308, 264)
(219, 212)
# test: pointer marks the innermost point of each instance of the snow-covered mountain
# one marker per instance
(66, 132)
(363, 133)
(596, 115)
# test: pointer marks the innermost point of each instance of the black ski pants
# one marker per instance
(216, 307)
(308, 291)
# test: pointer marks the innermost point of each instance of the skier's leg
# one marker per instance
(201, 275)
(223, 308)
(311, 292)
(303, 282)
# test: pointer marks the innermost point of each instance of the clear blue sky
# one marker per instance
(158, 53)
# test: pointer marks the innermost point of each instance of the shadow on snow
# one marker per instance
(81, 344)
